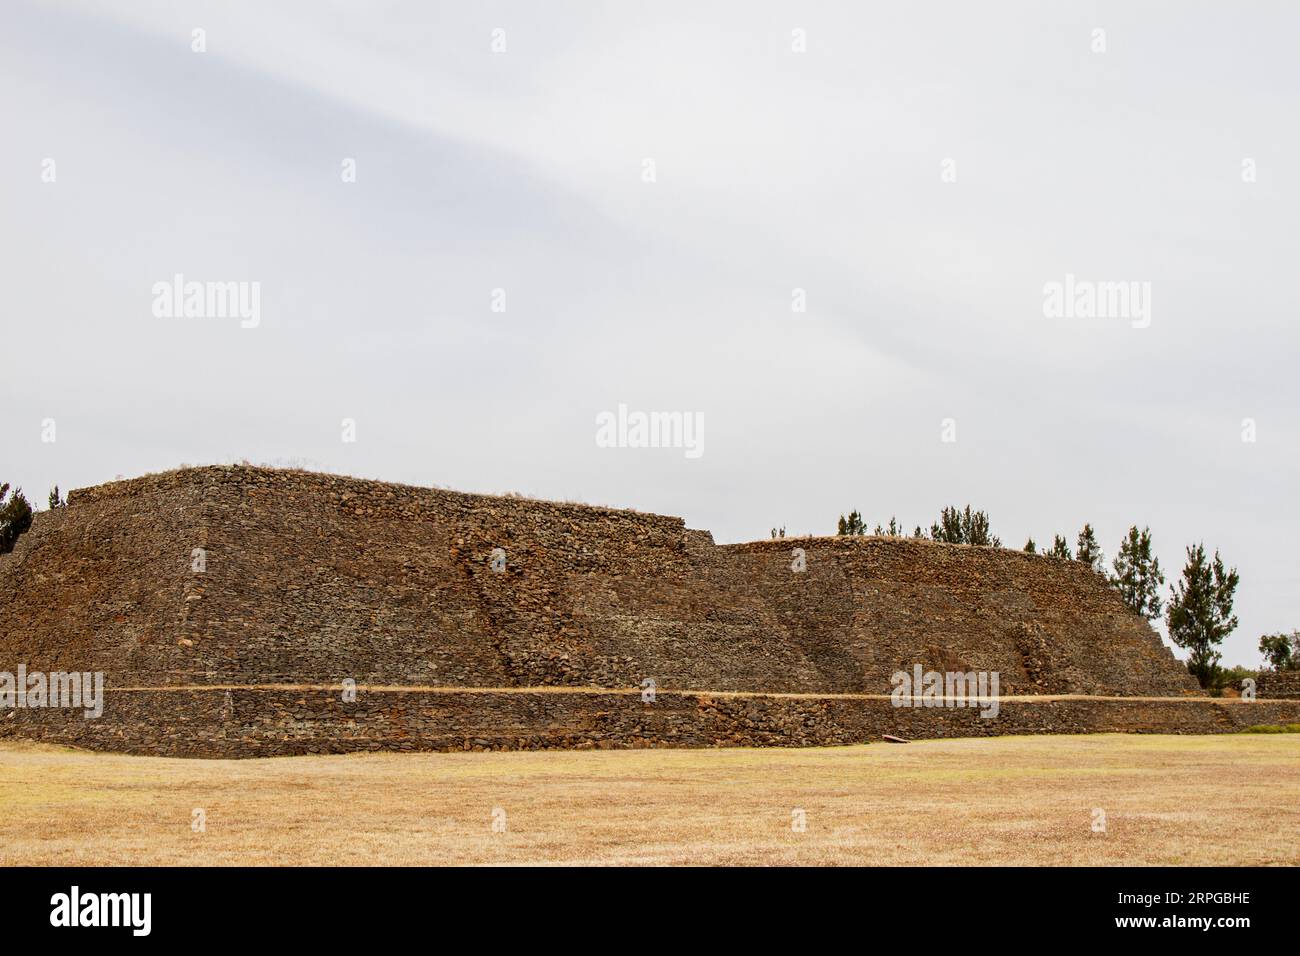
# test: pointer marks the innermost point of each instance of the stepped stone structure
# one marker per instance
(240, 611)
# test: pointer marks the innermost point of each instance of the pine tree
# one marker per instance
(853, 525)
(1088, 551)
(948, 528)
(975, 526)
(55, 500)
(15, 517)
(1030, 547)
(963, 527)
(1060, 549)
(1137, 575)
(1200, 611)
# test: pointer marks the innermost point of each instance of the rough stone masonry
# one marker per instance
(240, 611)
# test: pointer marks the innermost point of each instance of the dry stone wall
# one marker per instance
(311, 580)
(264, 722)
(1279, 684)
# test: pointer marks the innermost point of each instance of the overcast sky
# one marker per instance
(920, 170)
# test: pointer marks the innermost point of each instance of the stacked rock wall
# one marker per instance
(269, 721)
(1284, 685)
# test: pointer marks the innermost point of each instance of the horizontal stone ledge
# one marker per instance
(261, 721)
(337, 688)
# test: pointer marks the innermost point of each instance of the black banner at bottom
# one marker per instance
(943, 906)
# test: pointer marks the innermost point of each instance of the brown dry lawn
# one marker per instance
(1007, 800)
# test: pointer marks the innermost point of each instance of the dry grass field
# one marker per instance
(1007, 800)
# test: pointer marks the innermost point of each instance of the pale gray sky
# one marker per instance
(523, 170)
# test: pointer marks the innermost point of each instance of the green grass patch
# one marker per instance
(1273, 729)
